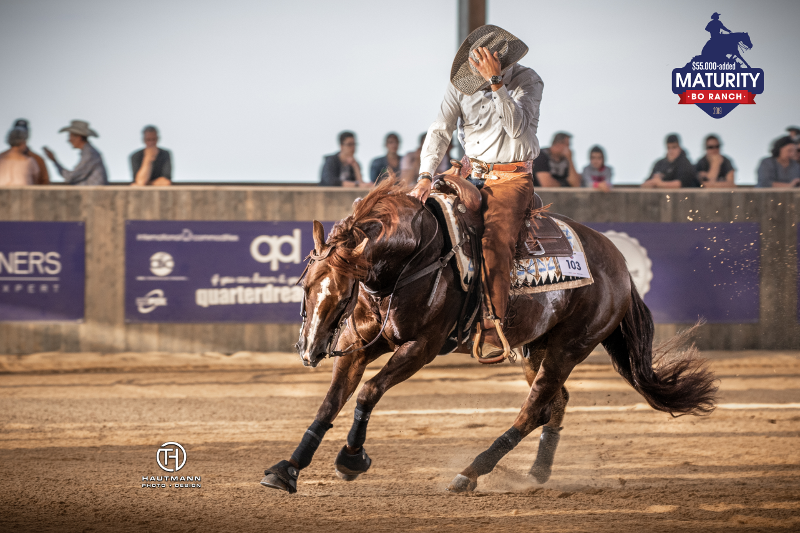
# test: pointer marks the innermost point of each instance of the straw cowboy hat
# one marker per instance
(509, 50)
(79, 127)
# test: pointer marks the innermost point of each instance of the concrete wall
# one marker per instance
(105, 210)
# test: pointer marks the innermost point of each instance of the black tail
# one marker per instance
(679, 383)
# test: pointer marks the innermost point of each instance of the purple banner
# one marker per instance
(188, 271)
(690, 271)
(42, 271)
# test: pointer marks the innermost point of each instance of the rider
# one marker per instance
(716, 26)
(494, 102)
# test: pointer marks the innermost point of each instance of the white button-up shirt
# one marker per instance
(495, 127)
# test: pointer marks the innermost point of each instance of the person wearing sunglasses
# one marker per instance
(714, 169)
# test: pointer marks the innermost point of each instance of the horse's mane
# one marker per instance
(379, 211)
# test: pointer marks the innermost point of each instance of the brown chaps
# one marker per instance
(506, 198)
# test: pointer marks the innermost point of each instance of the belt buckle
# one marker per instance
(479, 168)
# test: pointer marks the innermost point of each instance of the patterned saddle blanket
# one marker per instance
(540, 274)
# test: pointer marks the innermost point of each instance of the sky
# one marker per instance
(259, 90)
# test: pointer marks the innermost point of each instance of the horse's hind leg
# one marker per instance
(567, 346)
(551, 432)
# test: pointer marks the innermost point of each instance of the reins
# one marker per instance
(400, 282)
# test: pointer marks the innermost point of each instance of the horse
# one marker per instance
(727, 44)
(370, 289)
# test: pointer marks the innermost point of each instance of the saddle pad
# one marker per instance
(544, 274)
(541, 274)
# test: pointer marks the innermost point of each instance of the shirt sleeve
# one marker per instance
(520, 111)
(441, 132)
(166, 167)
(765, 173)
(375, 169)
(82, 170)
(687, 174)
(330, 172)
(586, 177)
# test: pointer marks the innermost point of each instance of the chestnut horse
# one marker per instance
(357, 308)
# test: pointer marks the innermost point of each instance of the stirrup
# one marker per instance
(477, 347)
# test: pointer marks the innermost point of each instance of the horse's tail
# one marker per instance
(679, 383)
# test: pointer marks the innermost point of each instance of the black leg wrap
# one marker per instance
(548, 442)
(349, 467)
(358, 432)
(282, 476)
(486, 461)
(311, 439)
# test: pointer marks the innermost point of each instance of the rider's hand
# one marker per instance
(487, 65)
(421, 191)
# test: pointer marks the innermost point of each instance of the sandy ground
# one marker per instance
(78, 432)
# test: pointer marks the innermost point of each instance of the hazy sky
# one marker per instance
(258, 90)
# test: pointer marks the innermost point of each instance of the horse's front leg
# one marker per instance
(347, 373)
(409, 358)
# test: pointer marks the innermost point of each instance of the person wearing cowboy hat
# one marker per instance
(90, 169)
(494, 103)
(715, 26)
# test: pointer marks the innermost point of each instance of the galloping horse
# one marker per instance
(718, 48)
(364, 296)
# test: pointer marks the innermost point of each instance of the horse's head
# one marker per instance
(744, 40)
(330, 295)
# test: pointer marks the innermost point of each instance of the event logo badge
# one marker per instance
(719, 79)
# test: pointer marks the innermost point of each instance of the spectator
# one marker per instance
(151, 165)
(16, 168)
(341, 169)
(553, 167)
(596, 174)
(43, 177)
(391, 161)
(780, 170)
(794, 133)
(90, 169)
(714, 169)
(674, 171)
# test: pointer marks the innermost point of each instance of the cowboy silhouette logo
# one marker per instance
(719, 79)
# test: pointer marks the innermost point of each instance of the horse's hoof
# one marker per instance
(540, 473)
(282, 476)
(349, 467)
(462, 484)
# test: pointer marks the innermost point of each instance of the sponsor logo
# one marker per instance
(186, 235)
(275, 254)
(171, 457)
(171, 451)
(22, 263)
(719, 79)
(150, 301)
(161, 264)
(639, 264)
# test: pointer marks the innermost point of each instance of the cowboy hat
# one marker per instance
(509, 50)
(79, 127)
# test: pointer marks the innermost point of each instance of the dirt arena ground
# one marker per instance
(78, 432)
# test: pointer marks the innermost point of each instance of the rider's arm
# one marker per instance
(520, 111)
(441, 131)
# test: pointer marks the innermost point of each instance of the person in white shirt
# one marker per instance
(494, 103)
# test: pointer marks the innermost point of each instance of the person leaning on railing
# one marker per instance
(714, 169)
(90, 170)
(151, 165)
(782, 169)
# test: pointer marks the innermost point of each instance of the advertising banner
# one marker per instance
(692, 270)
(189, 271)
(42, 271)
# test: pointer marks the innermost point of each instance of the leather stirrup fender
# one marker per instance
(469, 194)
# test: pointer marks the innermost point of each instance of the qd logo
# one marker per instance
(719, 79)
(173, 454)
(275, 254)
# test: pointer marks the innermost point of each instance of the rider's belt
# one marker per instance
(479, 168)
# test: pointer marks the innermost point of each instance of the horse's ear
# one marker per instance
(358, 250)
(319, 237)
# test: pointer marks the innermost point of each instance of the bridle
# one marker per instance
(439, 265)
